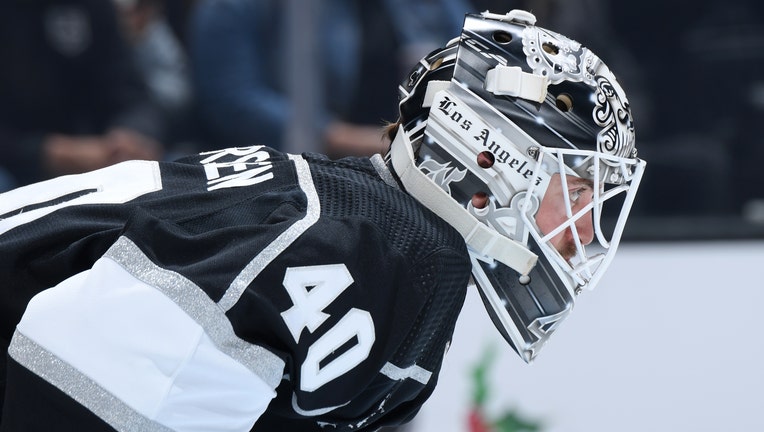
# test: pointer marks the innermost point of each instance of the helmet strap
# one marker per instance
(512, 81)
(478, 236)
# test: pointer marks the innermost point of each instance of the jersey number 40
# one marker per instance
(312, 289)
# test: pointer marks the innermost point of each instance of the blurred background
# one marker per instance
(88, 83)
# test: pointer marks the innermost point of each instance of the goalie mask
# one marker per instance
(523, 141)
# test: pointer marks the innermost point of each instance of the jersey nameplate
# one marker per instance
(236, 167)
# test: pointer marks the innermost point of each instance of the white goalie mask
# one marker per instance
(522, 139)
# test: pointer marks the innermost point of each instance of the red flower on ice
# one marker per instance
(476, 422)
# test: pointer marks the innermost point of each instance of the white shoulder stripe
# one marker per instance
(417, 373)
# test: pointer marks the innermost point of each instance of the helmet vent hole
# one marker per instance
(485, 159)
(502, 37)
(550, 48)
(480, 200)
(564, 102)
(436, 64)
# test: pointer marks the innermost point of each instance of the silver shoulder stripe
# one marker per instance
(250, 272)
(198, 305)
(378, 162)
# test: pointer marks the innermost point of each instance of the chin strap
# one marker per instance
(478, 236)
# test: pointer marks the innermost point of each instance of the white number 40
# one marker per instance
(312, 289)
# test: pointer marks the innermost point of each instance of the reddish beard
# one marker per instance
(567, 246)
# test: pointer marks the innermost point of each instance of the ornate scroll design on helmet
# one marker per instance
(563, 59)
(612, 113)
(557, 57)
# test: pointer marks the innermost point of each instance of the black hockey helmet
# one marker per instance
(521, 139)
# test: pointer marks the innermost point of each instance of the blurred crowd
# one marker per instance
(88, 83)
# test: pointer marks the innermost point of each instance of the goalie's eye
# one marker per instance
(581, 190)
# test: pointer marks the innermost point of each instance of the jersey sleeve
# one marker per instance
(137, 344)
(56, 228)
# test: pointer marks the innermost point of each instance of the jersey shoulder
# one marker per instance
(352, 188)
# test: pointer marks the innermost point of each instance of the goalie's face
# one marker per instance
(561, 201)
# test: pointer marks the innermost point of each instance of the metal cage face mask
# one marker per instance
(599, 206)
(573, 223)
(525, 142)
(575, 249)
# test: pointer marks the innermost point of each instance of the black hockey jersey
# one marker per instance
(263, 235)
